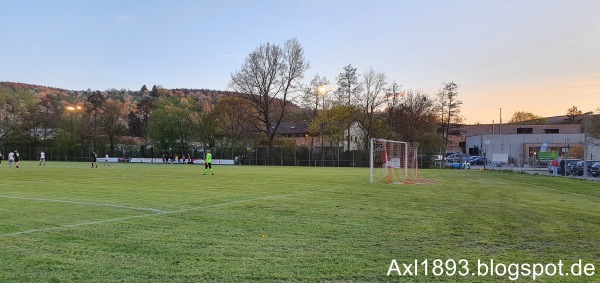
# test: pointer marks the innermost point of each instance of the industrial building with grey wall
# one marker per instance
(521, 148)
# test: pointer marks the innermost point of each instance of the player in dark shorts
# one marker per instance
(17, 158)
(93, 158)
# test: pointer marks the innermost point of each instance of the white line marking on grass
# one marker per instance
(78, 224)
(82, 203)
(162, 213)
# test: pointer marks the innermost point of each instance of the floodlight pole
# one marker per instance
(322, 91)
(371, 159)
(585, 146)
(323, 133)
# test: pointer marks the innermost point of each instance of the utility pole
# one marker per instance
(500, 125)
(585, 145)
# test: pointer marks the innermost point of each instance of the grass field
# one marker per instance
(66, 222)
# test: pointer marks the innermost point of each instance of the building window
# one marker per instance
(551, 131)
(524, 130)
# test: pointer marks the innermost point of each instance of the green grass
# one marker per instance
(66, 222)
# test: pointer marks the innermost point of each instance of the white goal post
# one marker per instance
(393, 162)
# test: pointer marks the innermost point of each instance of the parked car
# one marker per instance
(458, 165)
(476, 160)
(567, 164)
(578, 168)
(457, 157)
(595, 169)
(544, 162)
(451, 153)
(570, 164)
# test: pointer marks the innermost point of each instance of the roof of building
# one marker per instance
(287, 128)
(487, 129)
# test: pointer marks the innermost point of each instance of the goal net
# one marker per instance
(393, 162)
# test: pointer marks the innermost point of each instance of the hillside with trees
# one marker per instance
(271, 115)
(34, 116)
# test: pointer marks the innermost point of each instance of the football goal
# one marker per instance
(393, 162)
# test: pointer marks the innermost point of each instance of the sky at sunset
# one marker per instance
(537, 56)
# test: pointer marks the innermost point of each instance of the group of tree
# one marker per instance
(265, 92)
(527, 118)
(35, 116)
(573, 115)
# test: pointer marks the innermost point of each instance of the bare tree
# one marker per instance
(348, 87)
(38, 119)
(573, 114)
(267, 78)
(113, 121)
(415, 116)
(94, 107)
(450, 107)
(348, 90)
(393, 97)
(139, 117)
(313, 98)
(371, 100)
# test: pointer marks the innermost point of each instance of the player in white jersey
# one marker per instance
(11, 159)
(42, 158)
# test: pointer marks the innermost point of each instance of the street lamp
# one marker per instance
(322, 92)
(73, 109)
(585, 144)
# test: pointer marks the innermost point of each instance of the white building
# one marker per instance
(357, 137)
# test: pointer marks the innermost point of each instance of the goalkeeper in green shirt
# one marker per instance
(208, 163)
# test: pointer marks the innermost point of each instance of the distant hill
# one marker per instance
(41, 90)
(208, 97)
(53, 90)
